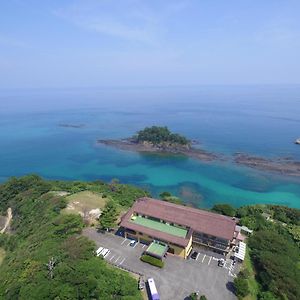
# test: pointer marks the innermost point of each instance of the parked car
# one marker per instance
(141, 283)
(132, 243)
(194, 255)
(221, 262)
(98, 251)
(104, 252)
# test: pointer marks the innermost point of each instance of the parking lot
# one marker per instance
(179, 277)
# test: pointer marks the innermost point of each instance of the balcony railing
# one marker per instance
(210, 243)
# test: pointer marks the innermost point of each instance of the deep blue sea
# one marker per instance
(261, 120)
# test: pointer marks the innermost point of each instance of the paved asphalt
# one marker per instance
(179, 277)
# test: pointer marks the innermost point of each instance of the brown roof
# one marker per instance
(196, 219)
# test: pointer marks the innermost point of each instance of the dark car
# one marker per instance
(221, 262)
(141, 283)
(194, 255)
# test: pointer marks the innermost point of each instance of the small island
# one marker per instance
(158, 139)
(161, 140)
(66, 125)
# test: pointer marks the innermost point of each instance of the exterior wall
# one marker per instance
(211, 242)
(179, 251)
(188, 248)
(208, 243)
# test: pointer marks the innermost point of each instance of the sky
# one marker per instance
(96, 43)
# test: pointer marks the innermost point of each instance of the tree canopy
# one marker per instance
(157, 135)
(109, 215)
(224, 209)
(47, 258)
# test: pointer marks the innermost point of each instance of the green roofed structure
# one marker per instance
(160, 226)
(157, 249)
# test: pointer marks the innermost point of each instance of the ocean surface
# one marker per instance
(259, 120)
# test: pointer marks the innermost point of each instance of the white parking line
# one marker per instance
(122, 261)
(135, 244)
(197, 256)
(112, 257)
(203, 257)
(144, 246)
(209, 260)
(124, 241)
(117, 259)
(128, 243)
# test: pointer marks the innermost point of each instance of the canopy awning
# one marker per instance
(242, 251)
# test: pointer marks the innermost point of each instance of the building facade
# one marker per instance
(179, 227)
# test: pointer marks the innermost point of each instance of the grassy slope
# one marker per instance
(2, 255)
(84, 201)
(253, 285)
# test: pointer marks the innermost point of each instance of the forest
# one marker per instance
(274, 250)
(46, 257)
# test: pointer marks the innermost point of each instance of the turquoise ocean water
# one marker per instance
(261, 120)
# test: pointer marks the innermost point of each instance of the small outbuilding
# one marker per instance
(241, 252)
(157, 249)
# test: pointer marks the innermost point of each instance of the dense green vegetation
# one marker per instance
(241, 285)
(109, 215)
(157, 135)
(152, 261)
(46, 257)
(166, 196)
(274, 251)
(224, 209)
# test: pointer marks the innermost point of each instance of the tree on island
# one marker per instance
(157, 135)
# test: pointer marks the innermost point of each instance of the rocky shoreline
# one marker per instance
(132, 145)
(283, 166)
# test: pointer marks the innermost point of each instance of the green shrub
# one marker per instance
(224, 209)
(241, 287)
(152, 261)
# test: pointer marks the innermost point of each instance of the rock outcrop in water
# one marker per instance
(71, 125)
(161, 140)
(133, 145)
(284, 166)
